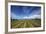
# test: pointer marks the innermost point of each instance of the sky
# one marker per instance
(25, 12)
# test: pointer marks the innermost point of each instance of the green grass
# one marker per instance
(25, 23)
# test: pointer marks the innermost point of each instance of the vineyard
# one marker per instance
(27, 23)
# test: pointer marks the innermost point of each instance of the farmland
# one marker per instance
(25, 23)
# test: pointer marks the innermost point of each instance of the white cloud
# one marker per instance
(13, 15)
(37, 12)
(26, 17)
(35, 16)
(32, 17)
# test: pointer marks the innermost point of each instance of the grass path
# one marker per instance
(19, 24)
(24, 24)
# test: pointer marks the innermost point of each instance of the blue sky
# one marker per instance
(25, 12)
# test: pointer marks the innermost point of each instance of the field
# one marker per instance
(26, 23)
